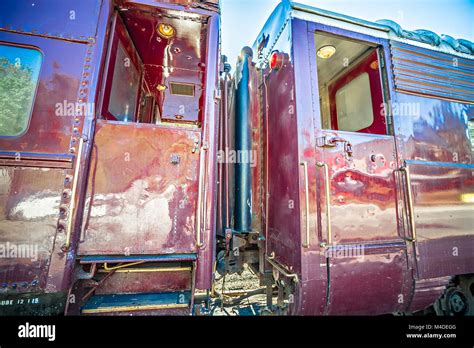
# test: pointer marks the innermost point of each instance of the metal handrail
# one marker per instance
(306, 243)
(328, 203)
(199, 243)
(411, 208)
(271, 260)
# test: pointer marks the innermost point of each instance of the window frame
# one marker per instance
(120, 34)
(35, 92)
(379, 125)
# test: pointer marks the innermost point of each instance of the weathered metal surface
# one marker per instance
(431, 130)
(74, 20)
(66, 78)
(443, 209)
(138, 201)
(149, 282)
(73, 47)
(362, 188)
(51, 125)
(425, 290)
(30, 199)
(364, 245)
(366, 283)
(421, 71)
(282, 196)
(210, 127)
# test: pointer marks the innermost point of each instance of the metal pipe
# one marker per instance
(243, 147)
(226, 148)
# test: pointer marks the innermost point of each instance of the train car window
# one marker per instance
(19, 75)
(354, 105)
(350, 85)
(125, 85)
(124, 76)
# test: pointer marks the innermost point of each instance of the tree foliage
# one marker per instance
(16, 94)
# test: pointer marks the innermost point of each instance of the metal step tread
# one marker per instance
(137, 302)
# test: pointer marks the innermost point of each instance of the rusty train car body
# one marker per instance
(115, 165)
(336, 162)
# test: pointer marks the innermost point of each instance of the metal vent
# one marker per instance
(183, 89)
(432, 74)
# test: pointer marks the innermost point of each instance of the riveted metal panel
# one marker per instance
(443, 217)
(423, 72)
(70, 20)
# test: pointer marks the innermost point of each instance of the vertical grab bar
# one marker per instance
(306, 243)
(199, 243)
(328, 202)
(411, 208)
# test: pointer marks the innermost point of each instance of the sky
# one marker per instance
(242, 20)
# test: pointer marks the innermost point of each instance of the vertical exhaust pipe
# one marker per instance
(243, 146)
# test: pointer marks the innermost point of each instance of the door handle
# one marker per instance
(332, 142)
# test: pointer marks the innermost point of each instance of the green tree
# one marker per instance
(16, 95)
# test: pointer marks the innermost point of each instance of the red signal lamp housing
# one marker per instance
(276, 61)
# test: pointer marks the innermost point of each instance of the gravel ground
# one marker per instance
(236, 285)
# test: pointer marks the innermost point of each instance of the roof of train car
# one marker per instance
(383, 28)
(60, 19)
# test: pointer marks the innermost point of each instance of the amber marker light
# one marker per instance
(326, 52)
(161, 88)
(166, 31)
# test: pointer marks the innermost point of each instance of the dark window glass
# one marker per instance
(125, 83)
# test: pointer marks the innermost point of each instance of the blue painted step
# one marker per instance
(137, 302)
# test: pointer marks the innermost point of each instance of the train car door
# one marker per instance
(143, 181)
(357, 193)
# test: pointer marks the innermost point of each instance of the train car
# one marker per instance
(361, 201)
(336, 162)
(108, 139)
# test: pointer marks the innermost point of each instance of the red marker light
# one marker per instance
(276, 60)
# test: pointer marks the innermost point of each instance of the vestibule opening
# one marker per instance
(350, 85)
(156, 67)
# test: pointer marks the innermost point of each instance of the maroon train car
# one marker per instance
(108, 131)
(337, 162)
(362, 199)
